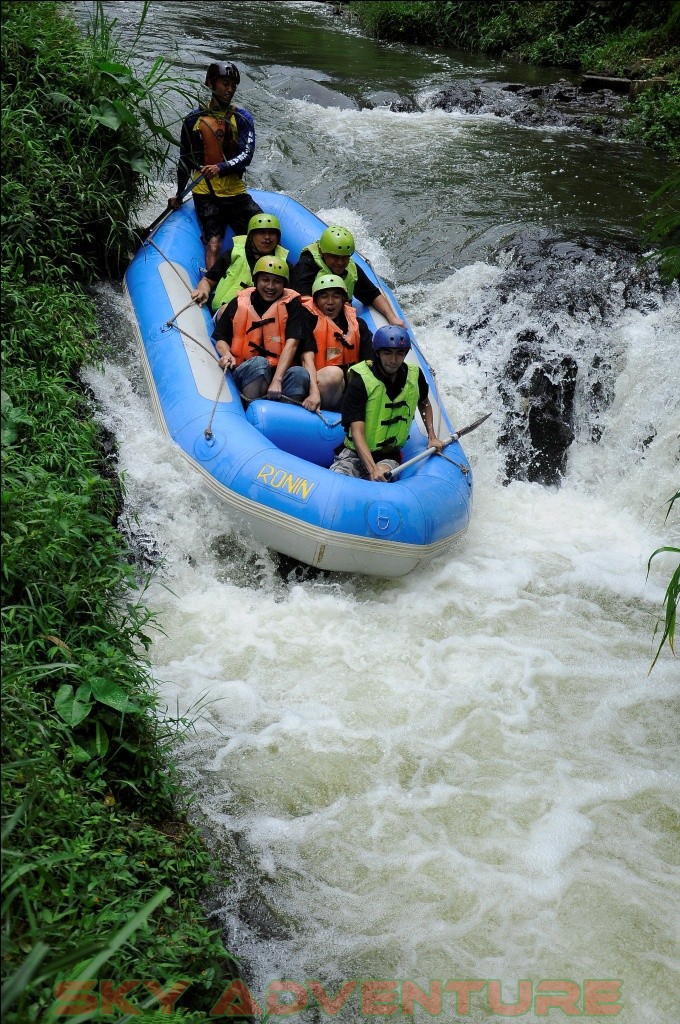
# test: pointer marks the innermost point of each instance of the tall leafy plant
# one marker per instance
(82, 136)
(672, 595)
(95, 844)
(664, 230)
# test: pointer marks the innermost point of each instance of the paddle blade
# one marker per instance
(471, 426)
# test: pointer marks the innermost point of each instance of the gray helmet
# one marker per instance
(222, 69)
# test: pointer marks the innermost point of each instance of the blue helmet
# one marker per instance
(391, 337)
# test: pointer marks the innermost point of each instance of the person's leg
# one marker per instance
(331, 382)
(212, 227)
(213, 248)
(348, 463)
(252, 378)
(387, 464)
(239, 210)
(295, 383)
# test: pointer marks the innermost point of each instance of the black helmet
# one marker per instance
(222, 69)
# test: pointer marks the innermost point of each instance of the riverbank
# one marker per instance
(636, 45)
(101, 871)
(626, 59)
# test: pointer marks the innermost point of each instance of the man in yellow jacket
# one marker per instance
(233, 270)
(218, 142)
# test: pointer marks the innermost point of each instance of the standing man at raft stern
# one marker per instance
(378, 408)
(332, 254)
(219, 142)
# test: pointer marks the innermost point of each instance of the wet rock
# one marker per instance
(560, 104)
(538, 393)
(550, 323)
(586, 282)
(294, 88)
(392, 100)
(462, 97)
(596, 83)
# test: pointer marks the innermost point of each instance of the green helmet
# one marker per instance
(271, 265)
(336, 241)
(262, 221)
(325, 281)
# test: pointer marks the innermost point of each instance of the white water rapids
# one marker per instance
(465, 773)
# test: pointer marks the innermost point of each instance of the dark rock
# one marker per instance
(404, 106)
(583, 284)
(538, 427)
(469, 99)
(593, 83)
(392, 100)
(560, 104)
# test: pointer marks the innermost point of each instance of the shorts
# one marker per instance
(295, 383)
(217, 213)
(348, 463)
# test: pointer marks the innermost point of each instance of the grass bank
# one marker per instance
(101, 872)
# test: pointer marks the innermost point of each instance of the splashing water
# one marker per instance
(465, 773)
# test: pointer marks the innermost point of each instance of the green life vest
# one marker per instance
(388, 423)
(239, 275)
(350, 275)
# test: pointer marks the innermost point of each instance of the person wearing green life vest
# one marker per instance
(233, 271)
(378, 408)
(332, 254)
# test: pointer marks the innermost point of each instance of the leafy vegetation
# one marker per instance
(99, 864)
(664, 229)
(672, 594)
(81, 137)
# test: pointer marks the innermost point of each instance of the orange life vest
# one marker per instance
(333, 348)
(255, 335)
(218, 135)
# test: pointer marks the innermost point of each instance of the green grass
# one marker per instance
(102, 875)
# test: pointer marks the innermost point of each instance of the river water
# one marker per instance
(467, 773)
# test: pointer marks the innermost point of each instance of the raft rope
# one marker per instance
(461, 466)
(207, 433)
(169, 323)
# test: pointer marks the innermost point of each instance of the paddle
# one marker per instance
(166, 213)
(430, 451)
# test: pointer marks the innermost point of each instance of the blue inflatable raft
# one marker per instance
(269, 464)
